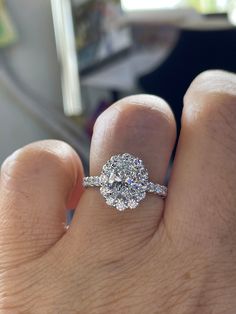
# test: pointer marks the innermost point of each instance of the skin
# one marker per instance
(171, 257)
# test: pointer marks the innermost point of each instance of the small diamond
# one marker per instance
(110, 201)
(129, 181)
(144, 187)
(103, 179)
(143, 196)
(104, 190)
(163, 191)
(135, 186)
(120, 205)
(126, 156)
(151, 187)
(89, 180)
(105, 167)
(132, 204)
(118, 179)
(144, 173)
(96, 181)
(112, 177)
(114, 159)
(158, 189)
(138, 162)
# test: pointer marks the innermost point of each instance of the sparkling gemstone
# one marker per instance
(126, 156)
(129, 181)
(120, 205)
(151, 187)
(144, 186)
(96, 181)
(104, 190)
(132, 204)
(89, 180)
(104, 168)
(124, 181)
(158, 189)
(114, 159)
(112, 177)
(103, 179)
(110, 201)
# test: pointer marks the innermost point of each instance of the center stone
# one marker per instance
(124, 181)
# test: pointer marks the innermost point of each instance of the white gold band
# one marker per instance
(96, 181)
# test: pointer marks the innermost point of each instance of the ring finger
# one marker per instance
(143, 126)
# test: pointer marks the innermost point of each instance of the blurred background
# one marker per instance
(63, 62)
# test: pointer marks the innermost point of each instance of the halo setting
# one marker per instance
(124, 182)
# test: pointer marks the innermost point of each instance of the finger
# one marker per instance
(36, 184)
(144, 127)
(202, 198)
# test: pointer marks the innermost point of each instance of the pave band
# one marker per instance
(95, 181)
(124, 182)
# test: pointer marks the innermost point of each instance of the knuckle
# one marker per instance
(30, 161)
(146, 110)
(136, 113)
(211, 102)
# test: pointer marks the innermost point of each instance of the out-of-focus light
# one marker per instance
(65, 42)
(210, 6)
(222, 5)
(137, 5)
(232, 12)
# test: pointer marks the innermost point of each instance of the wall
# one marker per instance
(32, 63)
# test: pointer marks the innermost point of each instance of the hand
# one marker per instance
(174, 256)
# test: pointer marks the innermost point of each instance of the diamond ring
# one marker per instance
(124, 182)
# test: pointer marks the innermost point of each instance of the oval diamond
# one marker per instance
(123, 181)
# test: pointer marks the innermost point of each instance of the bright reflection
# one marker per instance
(232, 12)
(133, 5)
(222, 5)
